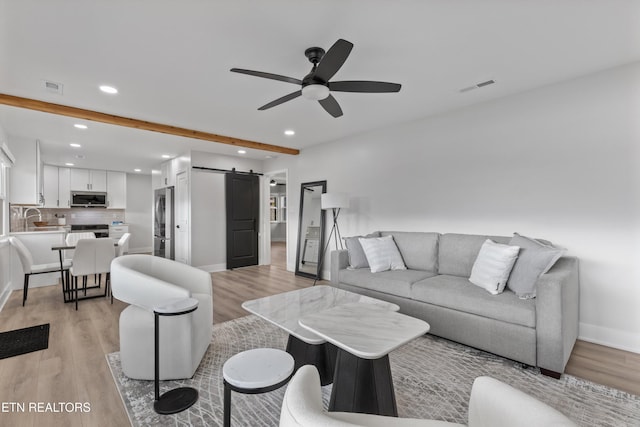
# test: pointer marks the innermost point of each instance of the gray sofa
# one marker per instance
(435, 287)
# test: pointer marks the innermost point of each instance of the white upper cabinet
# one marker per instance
(167, 176)
(116, 190)
(64, 187)
(25, 182)
(88, 180)
(50, 186)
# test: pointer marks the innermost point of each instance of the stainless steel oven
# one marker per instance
(100, 230)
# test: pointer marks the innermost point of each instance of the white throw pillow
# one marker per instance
(493, 266)
(382, 254)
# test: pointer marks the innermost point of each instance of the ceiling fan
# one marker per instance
(316, 84)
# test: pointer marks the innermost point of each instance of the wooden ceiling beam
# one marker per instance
(80, 113)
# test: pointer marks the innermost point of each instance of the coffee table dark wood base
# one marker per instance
(363, 385)
(322, 356)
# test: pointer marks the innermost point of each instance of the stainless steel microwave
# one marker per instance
(88, 199)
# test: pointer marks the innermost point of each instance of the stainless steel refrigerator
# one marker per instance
(163, 223)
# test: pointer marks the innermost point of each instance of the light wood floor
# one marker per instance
(74, 369)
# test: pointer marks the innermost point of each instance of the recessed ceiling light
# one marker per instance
(108, 89)
(166, 156)
(137, 170)
(289, 132)
(68, 164)
(75, 145)
(242, 151)
(268, 157)
(80, 126)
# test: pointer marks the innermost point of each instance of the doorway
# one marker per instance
(242, 193)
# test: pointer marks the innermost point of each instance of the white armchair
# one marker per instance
(145, 282)
(492, 404)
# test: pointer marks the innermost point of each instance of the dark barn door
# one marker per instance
(243, 210)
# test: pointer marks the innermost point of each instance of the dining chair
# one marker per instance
(123, 245)
(72, 239)
(29, 268)
(92, 256)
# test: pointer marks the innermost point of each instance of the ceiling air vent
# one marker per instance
(52, 87)
(477, 85)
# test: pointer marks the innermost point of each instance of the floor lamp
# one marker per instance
(335, 202)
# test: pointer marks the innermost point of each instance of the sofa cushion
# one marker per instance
(458, 293)
(357, 258)
(493, 265)
(419, 250)
(396, 282)
(382, 254)
(458, 252)
(535, 259)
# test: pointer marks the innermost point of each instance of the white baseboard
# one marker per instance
(615, 338)
(212, 268)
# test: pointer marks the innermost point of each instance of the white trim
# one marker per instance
(615, 338)
(4, 297)
(213, 268)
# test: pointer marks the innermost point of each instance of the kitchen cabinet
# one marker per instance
(26, 174)
(64, 187)
(168, 173)
(50, 186)
(116, 190)
(88, 180)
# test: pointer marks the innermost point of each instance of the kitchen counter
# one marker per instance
(40, 230)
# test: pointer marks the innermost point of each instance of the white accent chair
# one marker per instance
(145, 282)
(123, 244)
(29, 268)
(492, 404)
(92, 256)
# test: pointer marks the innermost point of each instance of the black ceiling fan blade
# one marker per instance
(279, 101)
(364, 86)
(333, 60)
(267, 75)
(331, 105)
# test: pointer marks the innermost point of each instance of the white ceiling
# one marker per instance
(170, 61)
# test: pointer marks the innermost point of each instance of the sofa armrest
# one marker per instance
(339, 261)
(557, 305)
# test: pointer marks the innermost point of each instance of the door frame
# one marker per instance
(265, 245)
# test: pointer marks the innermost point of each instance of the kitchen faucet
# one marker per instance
(26, 217)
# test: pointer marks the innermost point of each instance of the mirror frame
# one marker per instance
(303, 186)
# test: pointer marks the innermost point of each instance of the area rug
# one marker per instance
(432, 378)
(25, 340)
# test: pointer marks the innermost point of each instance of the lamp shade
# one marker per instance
(334, 200)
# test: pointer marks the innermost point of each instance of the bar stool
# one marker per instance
(255, 371)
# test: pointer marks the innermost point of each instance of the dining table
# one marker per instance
(66, 282)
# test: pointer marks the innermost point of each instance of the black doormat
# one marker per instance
(26, 340)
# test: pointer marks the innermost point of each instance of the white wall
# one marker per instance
(208, 215)
(560, 162)
(139, 212)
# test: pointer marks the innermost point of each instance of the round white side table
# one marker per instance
(255, 371)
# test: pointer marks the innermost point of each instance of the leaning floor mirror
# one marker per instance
(310, 229)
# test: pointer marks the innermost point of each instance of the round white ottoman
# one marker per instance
(255, 371)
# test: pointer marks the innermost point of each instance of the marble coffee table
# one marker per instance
(365, 334)
(285, 310)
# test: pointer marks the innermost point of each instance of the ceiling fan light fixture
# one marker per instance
(315, 92)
